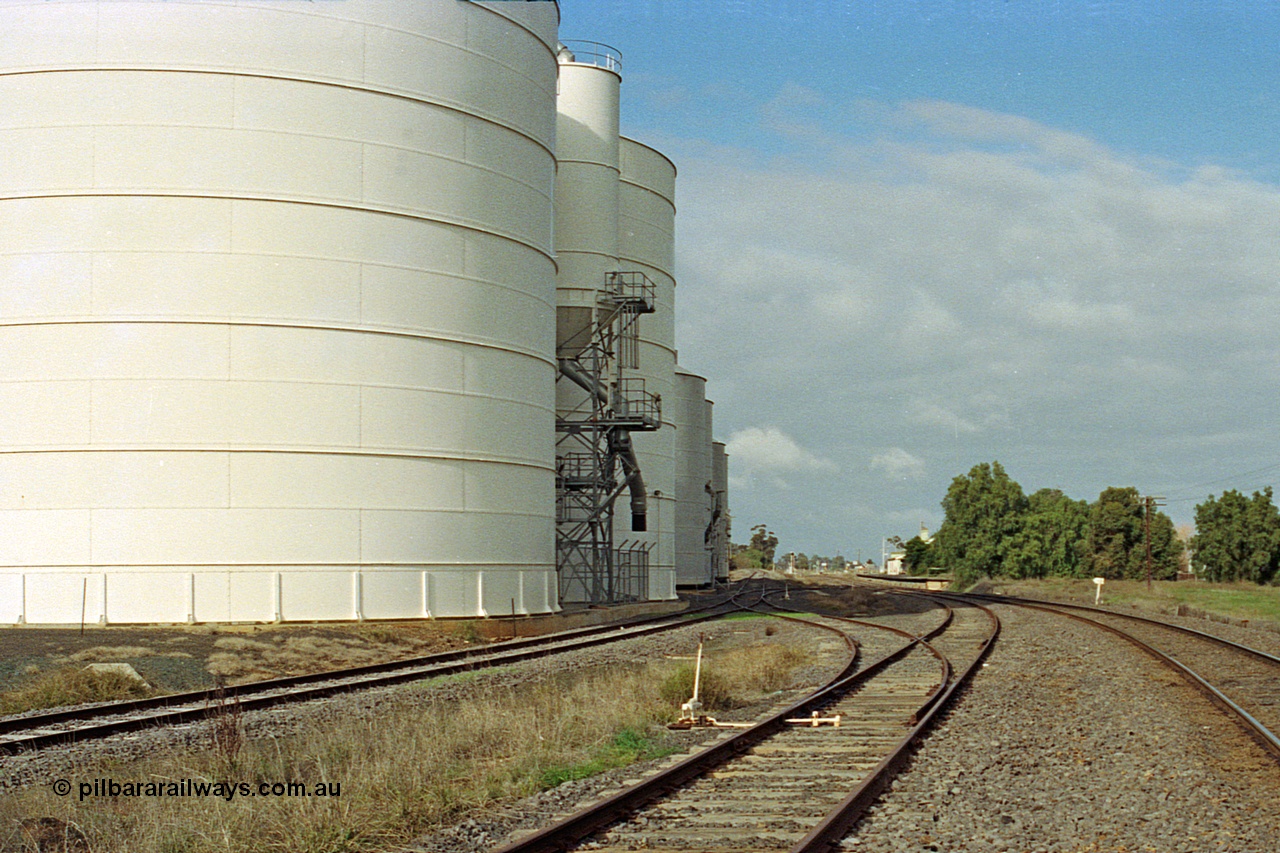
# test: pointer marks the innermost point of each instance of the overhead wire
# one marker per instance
(1221, 480)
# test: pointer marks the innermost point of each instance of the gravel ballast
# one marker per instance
(1070, 740)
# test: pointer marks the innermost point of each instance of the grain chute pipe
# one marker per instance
(620, 442)
(635, 481)
(583, 380)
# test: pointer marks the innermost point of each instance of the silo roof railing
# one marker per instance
(595, 53)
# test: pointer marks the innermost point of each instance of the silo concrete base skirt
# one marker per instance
(131, 595)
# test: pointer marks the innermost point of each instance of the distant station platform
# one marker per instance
(929, 582)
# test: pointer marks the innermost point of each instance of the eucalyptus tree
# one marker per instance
(983, 515)
(1051, 541)
(1118, 537)
(1237, 538)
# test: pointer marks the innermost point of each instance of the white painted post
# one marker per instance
(1097, 595)
(277, 596)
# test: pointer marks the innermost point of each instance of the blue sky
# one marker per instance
(916, 236)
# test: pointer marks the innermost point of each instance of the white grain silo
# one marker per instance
(586, 190)
(646, 243)
(586, 229)
(689, 413)
(602, 404)
(719, 542)
(277, 323)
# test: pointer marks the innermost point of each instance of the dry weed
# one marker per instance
(110, 654)
(226, 728)
(71, 686)
(417, 764)
(242, 644)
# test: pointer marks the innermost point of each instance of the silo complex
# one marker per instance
(614, 231)
(278, 314)
(691, 416)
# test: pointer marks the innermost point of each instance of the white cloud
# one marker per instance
(975, 286)
(770, 453)
(898, 464)
(932, 414)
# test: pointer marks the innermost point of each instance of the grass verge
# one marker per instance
(1236, 600)
(627, 747)
(401, 771)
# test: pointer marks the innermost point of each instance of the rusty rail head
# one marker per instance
(569, 831)
(1252, 726)
(826, 836)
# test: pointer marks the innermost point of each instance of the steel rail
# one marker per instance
(1204, 635)
(1252, 726)
(569, 831)
(828, 833)
(935, 631)
(178, 708)
(573, 829)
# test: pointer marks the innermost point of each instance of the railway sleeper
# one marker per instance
(781, 835)
(746, 807)
(779, 779)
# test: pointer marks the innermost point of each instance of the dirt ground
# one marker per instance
(173, 658)
(176, 658)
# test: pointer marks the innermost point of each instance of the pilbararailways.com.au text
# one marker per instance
(197, 788)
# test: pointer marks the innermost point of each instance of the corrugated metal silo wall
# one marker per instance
(720, 483)
(693, 474)
(646, 243)
(277, 329)
(586, 223)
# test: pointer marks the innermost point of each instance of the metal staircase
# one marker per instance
(595, 459)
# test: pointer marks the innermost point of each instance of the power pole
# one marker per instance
(1149, 503)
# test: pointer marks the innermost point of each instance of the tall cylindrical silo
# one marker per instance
(646, 244)
(277, 330)
(586, 195)
(688, 414)
(720, 485)
(597, 566)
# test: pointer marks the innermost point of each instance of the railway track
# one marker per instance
(30, 732)
(782, 786)
(1243, 681)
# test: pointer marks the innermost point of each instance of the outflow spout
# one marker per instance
(621, 440)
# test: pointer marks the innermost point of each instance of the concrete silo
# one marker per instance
(277, 323)
(690, 413)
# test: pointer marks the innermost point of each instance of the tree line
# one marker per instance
(992, 528)
(762, 553)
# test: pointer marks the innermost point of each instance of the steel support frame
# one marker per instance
(594, 463)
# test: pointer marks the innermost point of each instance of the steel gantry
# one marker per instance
(595, 458)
